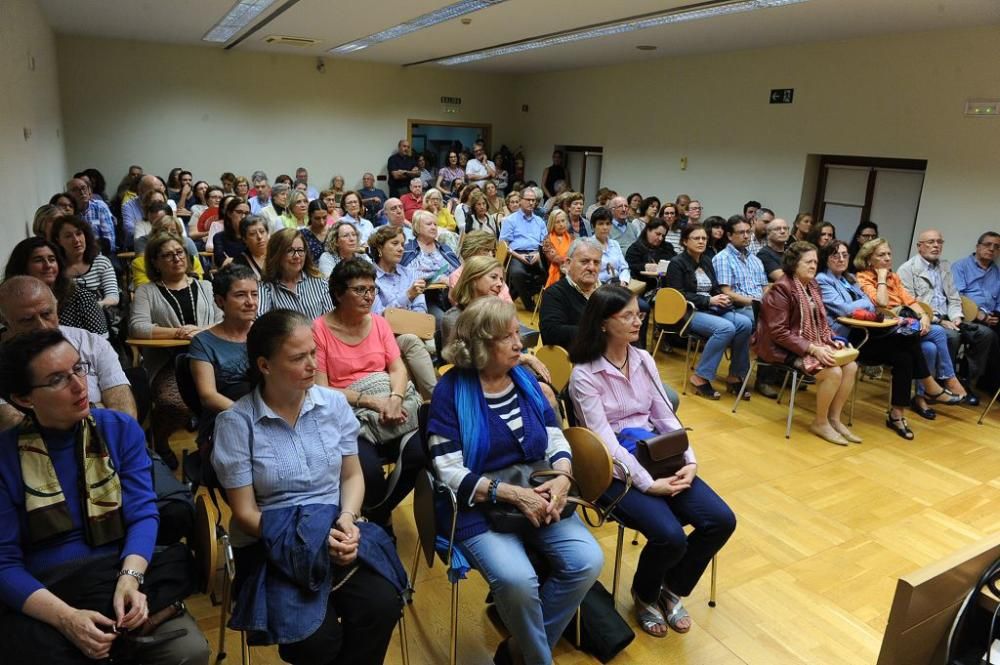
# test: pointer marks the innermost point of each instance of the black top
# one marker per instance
(223, 248)
(556, 172)
(183, 301)
(398, 162)
(639, 254)
(80, 310)
(681, 276)
(561, 310)
(771, 260)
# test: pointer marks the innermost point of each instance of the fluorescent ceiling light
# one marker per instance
(441, 15)
(678, 16)
(239, 17)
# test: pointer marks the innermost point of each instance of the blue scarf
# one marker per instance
(469, 399)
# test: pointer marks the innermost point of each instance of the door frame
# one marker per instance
(872, 163)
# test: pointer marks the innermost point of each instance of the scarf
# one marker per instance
(561, 246)
(813, 325)
(469, 399)
(44, 500)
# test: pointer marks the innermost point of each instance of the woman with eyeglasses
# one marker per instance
(202, 216)
(433, 261)
(357, 354)
(842, 296)
(341, 245)
(615, 388)
(865, 232)
(226, 244)
(290, 280)
(173, 305)
(715, 320)
(78, 521)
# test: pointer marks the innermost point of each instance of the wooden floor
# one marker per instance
(824, 532)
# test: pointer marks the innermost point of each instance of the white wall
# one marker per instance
(890, 96)
(211, 111)
(31, 169)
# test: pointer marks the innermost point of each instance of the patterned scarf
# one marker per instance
(813, 325)
(100, 487)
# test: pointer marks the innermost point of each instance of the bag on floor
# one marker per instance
(975, 627)
(603, 632)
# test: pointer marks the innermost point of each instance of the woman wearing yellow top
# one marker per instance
(556, 244)
(297, 214)
(434, 203)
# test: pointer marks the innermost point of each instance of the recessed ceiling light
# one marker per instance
(441, 15)
(646, 47)
(679, 15)
(240, 16)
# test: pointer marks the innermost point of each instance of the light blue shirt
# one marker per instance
(741, 271)
(287, 466)
(981, 285)
(613, 265)
(364, 228)
(392, 288)
(841, 298)
(101, 220)
(523, 233)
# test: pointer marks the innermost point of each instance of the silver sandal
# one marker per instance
(649, 616)
(677, 614)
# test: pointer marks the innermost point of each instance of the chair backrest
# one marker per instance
(925, 307)
(206, 543)
(423, 514)
(592, 465)
(669, 307)
(185, 383)
(403, 321)
(503, 253)
(970, 310)
(556, 359)
(443, 369)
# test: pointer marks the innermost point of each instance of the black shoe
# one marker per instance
(970, 399)
(502, 655)
(928, 413)
(766, 389)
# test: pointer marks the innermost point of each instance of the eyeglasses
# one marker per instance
(935, 241)
(868, 236)
(630, 317)
(694, 207)
(179, 255)
(61, 380)
(295, 251)
(840, 255)
(991, 245)
(363, 291)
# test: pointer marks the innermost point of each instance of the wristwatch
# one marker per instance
(132, 573)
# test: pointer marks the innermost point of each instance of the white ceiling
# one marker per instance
(337, 22)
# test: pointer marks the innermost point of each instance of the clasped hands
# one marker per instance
(544, 504)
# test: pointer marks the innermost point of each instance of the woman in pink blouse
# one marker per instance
(614, 387)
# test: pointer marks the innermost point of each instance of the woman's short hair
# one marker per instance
(346, 195)
(601, 214)
(474, 198)
(65, 195)
(240, 180)
(293, 197)
(646, 202)
(154, 245)
(266, 336)
(554, 218)
(477, 243)
(279, 188)
(229, 275)
(378, 239)
(249, 222)
(421, 216)
(334, 234)
(689, 229)
(170, 224)
(434, 193)
(277, 247)
(830, 249)
(465, 288)
(793, 254)
(863, 258)
(513, 195)
(43, 214)
(344, 272)
(16, 356)
(91, 250)
(591, 339)
(483, 322)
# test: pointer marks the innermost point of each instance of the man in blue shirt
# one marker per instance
(740, 274)
(372, 198)
(95, 211)
(621, 230)
(261, 197)
(977, 277)
(524, 232)
(302, 174)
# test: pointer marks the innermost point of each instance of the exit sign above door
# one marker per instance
(782, 95)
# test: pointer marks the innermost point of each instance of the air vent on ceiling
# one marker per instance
(285, 40)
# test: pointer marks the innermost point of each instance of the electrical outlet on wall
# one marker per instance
(684, 163)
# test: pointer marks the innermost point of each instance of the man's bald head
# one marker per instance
(147, 183)
(28, 305)
(929, 245)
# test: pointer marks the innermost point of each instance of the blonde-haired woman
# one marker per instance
(434, 204)
(556, 244)
(479, 216)
(476, 243)
(290, 280)
(297, 214)
(433, 260)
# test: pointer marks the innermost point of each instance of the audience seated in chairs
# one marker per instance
(41, 259)
(218, 355)
(715, 319)
(842, 296)
(29, 307)
(793, 330)
(475, 243)
(488, 414)
(432, 261)
(291, 280)
(615, 388)
(357, 354)
(883, 286)
(75, 556)
(174, 305)
(83, 260)
(646, 253)
(287, 455)
(255, 236)
(341, 245)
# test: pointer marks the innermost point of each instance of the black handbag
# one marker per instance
(603, 632)
(507, 518)
(662, 455)
(975, 627)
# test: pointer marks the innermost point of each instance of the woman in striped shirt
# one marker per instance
(290, 281)
(83, 259)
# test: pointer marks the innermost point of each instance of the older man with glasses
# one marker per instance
(977, 277)
(771, 254)
(95, 211)
(621, 231)
(479, 170)
(524, 232)
(928, 277)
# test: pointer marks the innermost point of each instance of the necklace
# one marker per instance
(620, 368)
(177, 303)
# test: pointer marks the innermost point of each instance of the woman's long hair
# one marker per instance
(591, 339)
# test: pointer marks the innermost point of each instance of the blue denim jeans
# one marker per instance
(671, 557)
(730, 330)
(935, 347)
(537, 617)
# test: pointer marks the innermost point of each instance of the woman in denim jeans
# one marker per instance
(488, 414)
(691, 273)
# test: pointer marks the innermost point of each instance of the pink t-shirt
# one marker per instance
(345, 363)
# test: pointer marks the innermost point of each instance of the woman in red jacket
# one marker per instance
(793, 330)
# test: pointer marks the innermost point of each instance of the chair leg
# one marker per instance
(413, 568)
(743, 388)
(453, 645)
(711, 594)
(854, 397)
(244, 649)
(687, 366)
(618, 562)
(635, 537)
(404, 647)
(578, 621)
(223, 611)
(784, 383)
(791, 403)
(659, 338)
(989, 406)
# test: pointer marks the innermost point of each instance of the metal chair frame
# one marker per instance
(791, 400)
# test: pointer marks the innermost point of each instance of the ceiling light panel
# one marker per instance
(427, 20)
(679, 16)
(240, 16)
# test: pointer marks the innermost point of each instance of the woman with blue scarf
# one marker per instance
(487, 415)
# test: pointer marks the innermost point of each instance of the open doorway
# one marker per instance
(882, 190)
(583, 163)
(435, 138)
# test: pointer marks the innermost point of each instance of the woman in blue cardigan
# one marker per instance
(506, 421)
(78, 521)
